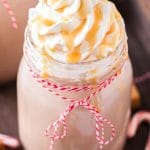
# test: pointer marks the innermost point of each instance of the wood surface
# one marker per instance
(136, 14)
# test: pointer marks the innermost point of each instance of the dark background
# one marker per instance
(136, 14)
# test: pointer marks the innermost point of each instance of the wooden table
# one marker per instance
(139, 50)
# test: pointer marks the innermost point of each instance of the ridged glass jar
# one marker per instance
(37, 107)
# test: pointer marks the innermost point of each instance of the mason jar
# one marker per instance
(40, 104)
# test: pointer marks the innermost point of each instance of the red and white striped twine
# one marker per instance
(85, 103)
(10, 13)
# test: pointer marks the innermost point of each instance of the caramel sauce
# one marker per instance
(41, 38)
(82, 11)
(111, 37)
(95, 103)
(91, 36)
(74, 56)
(119, 18)
(44, 1)
(45, 60)
(109, 40)
(47, 22)
(92, 80)
(94, 71)
(42, 20)
(52, 1)
(102, 50)
(117, 15)
(44, 75)
(46, 57)
(70, 36)
(63, 7)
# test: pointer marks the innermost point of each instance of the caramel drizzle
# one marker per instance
(63, 7)
(41, 20)
(109, 40)
(92, 34)
(75, 56)
(70, 36)
(82, 11)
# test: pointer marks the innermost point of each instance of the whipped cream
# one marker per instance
(76, 31)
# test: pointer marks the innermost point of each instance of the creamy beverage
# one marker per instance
(74, 44)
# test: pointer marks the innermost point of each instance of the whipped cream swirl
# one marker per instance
(76, 31)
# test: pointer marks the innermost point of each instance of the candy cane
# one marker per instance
(9, 141)
(135, 122)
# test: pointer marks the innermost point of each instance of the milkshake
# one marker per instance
(74, 44)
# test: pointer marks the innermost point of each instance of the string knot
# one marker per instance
(99, 119)
(58, 130)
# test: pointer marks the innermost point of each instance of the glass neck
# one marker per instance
(80, 73)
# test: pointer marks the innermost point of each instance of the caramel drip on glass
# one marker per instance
(95, 103)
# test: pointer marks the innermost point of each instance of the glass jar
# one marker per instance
(38, 107)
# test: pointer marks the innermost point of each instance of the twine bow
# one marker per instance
(100, 121)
